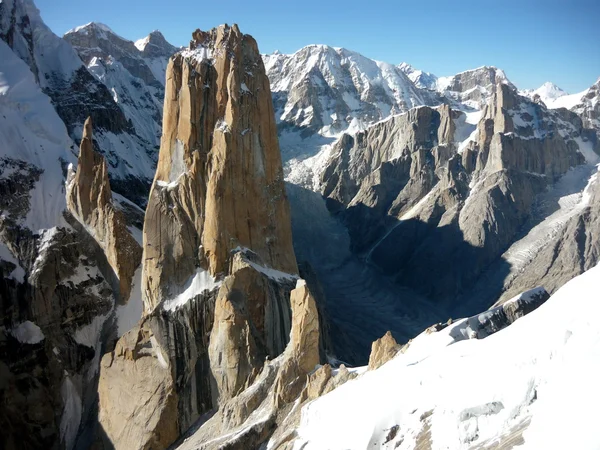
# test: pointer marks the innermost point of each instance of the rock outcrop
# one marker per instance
(219, 169)
(575, 250)
(251, 322)
(137, 399)
(218, 259)
(89, 198)
(383, 350)
(56, 286)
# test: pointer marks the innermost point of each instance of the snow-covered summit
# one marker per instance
(421, 79)
(155, 45)
(549, 91)
(92, 27)
(550, 94)
(472, 88)
(322, 89)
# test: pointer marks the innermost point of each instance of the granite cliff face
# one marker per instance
(219, 168)
(219, 264)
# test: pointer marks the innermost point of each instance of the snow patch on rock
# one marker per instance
(28, 333)
(202, 281)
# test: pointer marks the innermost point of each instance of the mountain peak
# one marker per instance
(92, 26)
(549, 91)
(155, 45)
(421, 79)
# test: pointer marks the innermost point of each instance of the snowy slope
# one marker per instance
(129, 145)
(533, 383)
(33, 140)
(553, 96)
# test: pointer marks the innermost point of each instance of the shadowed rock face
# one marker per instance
(417, 208)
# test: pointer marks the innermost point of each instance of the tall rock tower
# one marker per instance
(218, 262)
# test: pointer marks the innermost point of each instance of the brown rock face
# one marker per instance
(140, 414)
(304, 338)
(219, 264)
(252, 322)
(383, 350)
(279, 389)
(417, 208)
(89, 199)
(219, 181)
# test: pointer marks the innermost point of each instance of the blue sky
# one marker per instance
(532, 40)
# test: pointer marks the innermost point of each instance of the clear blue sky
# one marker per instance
(532, 40)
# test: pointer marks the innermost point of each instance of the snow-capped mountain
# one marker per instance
(326, 90)
(396, 177)
(129, 146)
(548, 92)
(471, 89)
(134, 74)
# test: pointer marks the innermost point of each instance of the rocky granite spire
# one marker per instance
(89, 198)
(218, 264)
(219, 181)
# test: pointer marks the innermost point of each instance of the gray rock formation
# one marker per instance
(408, 197)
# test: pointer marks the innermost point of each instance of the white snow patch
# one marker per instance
(199, 54)
(71, 416)
(587, 150)
(130, 313)
(178, 166)
(274, 274)
(31, 131)
(28, 333)
(200, 282)
(157, 351)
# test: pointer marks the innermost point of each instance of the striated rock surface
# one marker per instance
(219, 169)
(575, 250)
(89, 199)
(267, 410)
(140, 414)
(252, 322)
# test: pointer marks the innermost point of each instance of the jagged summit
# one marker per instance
(155, 45)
